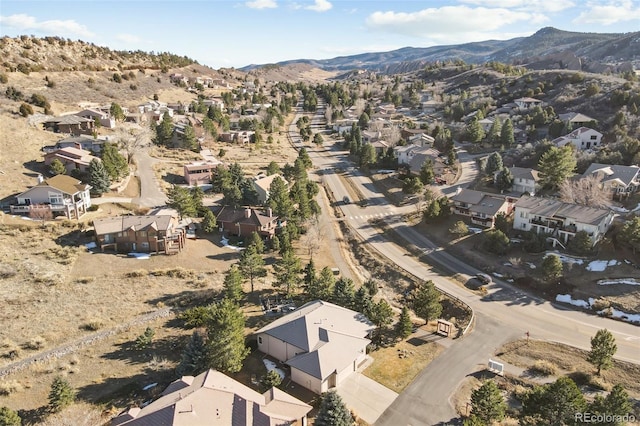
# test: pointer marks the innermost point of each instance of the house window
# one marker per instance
(594, 137)
(524, 225)
(56, 198)
(259, 340)
(142, 234)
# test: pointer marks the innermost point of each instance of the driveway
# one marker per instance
(366, 397)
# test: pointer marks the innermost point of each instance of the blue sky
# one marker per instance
(237, 33)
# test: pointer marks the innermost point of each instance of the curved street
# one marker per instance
(504, 313)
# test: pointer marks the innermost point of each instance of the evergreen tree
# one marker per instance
(194, 357)
(504, 179)
(255, 240)
(233, 284)
(273, 168)
(616, 403)
(252, 265)
(322, 287)
(404, 326)
(197, 196)
(270, 380)
(603, 347)
(116, 112)
(115, 163)
(487, 403)
(343, 292)
(459, 229)
(553, 404)
(580, 243)
(556, 165)
(427, 176)
(164, 130)
(494, 131)
(180, 198)
(98, 177)
(333, 411)
(61, 394)
(425, 301)
(474, 130)
(8, 417)
(279, 200)
(57, 168)
(507, 137)
(494, 163)
(412, 185)
(496, 241)
(380, 314)
(287, 271)
(310, 276)
(551, 267)
(188, 139)
(362, 302)
(145, 339)
(630, 234)
(432, 212)
(209, 222)
(367, 156)
(225, 337)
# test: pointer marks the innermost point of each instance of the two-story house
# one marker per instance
(620, 180)
(262, 184)
(199, 172)
(71, 158)
(574, 120)
(481, 207)
(559, 219)
(244, 221)
(102, 117)
(145, 234)
(59, 195)
(582, 138)
(525, 180)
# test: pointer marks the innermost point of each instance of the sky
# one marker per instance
(228, 33)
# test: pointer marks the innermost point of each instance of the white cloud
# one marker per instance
(609, 12)
(320, 6)
(128, 38)
(262, 4)
(450, 23)
(23, 22)
(525, 5)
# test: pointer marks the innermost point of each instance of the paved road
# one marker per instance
(150, 193)
(504, 313)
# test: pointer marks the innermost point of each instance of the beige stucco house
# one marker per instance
(323, 343)
(58, 195)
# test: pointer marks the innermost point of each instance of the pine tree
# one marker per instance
(603, 347)
(616, 403)
(487, 403)
(98, 177)
(322, 287)
(494, 163)
(209, 222)
(404, 326)
(279, 200)
(114, 162)
(8, 417)
(474, 130)
(287, 271)
(144, 340)
(233, 284)
(255, 240)
(188, 139)
(270, 380)
(333, 411)
(556, 165)
(57, 168)
(381, 314)
(426, 301)
(343, 292)
(362, 302)
(427, 176)
(552, 404)
(310, 276)
(194, 357)
(494, 131)
(504, 179)
(252, 265)
(61, 394)
(225, 337)
(180, 198)
(164, 130)
(507, 137)
(551, 267)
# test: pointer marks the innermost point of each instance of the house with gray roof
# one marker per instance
(559, 219)
(323, 343)
(576, 119)
(620, 180)
(525, 180)
(481, 207)
(215, 399)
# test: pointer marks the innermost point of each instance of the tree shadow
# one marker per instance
(173, 179)
(187, 298)
(38, 167)
(34, 416)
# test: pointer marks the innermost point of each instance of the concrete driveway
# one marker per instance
(366, 397)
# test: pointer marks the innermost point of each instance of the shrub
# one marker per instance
(145, 339)
(137, 273)
(10, 386)
(93, 325)
(117, 78)
(4, 78)
(85, 280)
(35, 343)
(546, 368)
(26, 110)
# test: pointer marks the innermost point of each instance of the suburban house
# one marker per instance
(86, 143)
(379, 146)
(417, 137)
(576, 119)
(262, 184)
(244, 221)
(215, 399)
(243, 137)
(145, 234)
(559, 219)
(526, 103)
(621, 180)
(525, 180)
(71, 124)
(199, 172)
(104, 118)
(481, 207)
(369, 136)
(344, 125)
(71, 158)
(60, 194)
(322, 343)
(582, 138)
(486, 123)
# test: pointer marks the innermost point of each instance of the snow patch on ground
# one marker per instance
(637, 208)
(601, 265)
(614, 313)
(564, 258)
(91, 245)
(496, 274)
(141, 256)
(619, 209)
(272, 366)
(225, 243)
(566, 298)
(627, 281)
(475, 230)
(152, 385)
(609, 312)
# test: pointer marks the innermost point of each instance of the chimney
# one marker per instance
(247, 213)
(77, 145)
(269, 212)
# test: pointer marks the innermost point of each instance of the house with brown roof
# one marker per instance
(59, 195)
(215, 399)
(71, 158)
(243, 222)
(576, 119)
(143, 234)
(481, 207)
(102, 117)
(323, 343)
(71, 124)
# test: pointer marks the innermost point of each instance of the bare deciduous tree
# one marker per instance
(587, 191)
(328, 114)
(132, 137)
(358, 106)
(314, 237)
(392, 135)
